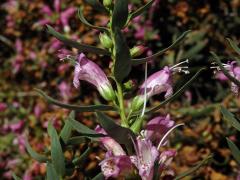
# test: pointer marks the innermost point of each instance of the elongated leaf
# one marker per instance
(230, 118)
(83, 157)
(121, 134)
(84, 21)
(175, 95)
(195, 168)
(76, 140)
(234, 45)
(122, 66)
(39, 157)
(234, 149)
(225, 72)
(57, 155)
(174, 44)
(84, 130)
(67, 129)
(140, 10)
(51, 172)
(194, 50)
(100, 176)
(96, 5)
(71, 43)
(15, 177)
(90, 108)
(120, 14)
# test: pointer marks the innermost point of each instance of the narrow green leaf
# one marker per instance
(234, 149)
(84, 130)
(66, 132)
(79, 160)
(225, 72)
(234, 46)
(195, 168)
(15, 177)
(174, 44)
(76, 140)
(39, 157)
(194, 50)
(51, 172)
(80, 47)
(122, 66)
(96, 5)
(84, 21)
(230, 118)
(57, 155)
(100, 176)
(174, 96)
(140, 10)
(120, 14)
(121, 134)
(91, 108)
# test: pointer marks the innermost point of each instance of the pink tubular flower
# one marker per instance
(234, 71)
(110, 144)
(165, 159)
(3, 106)
(88, 71)
(116, 162)
(146, 155)
(115, 166)
(157, 127)
(159, 82)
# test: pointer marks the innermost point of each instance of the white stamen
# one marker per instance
(165, 136)
(183, 62)
(145, 92)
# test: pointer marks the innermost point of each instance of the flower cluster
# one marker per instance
(147, 155)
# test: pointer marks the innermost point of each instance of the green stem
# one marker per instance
(121, 106)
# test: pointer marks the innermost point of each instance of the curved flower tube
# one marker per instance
(159, 82)
(87, 70)
(157, 127)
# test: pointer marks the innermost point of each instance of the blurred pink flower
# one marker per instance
(3, 106)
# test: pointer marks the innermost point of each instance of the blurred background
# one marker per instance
(30, 58)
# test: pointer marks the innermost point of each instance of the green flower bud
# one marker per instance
(105, 40)
(137, 103)
(129, 85)
(137, 125)
(107, 3)
(137, 51)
